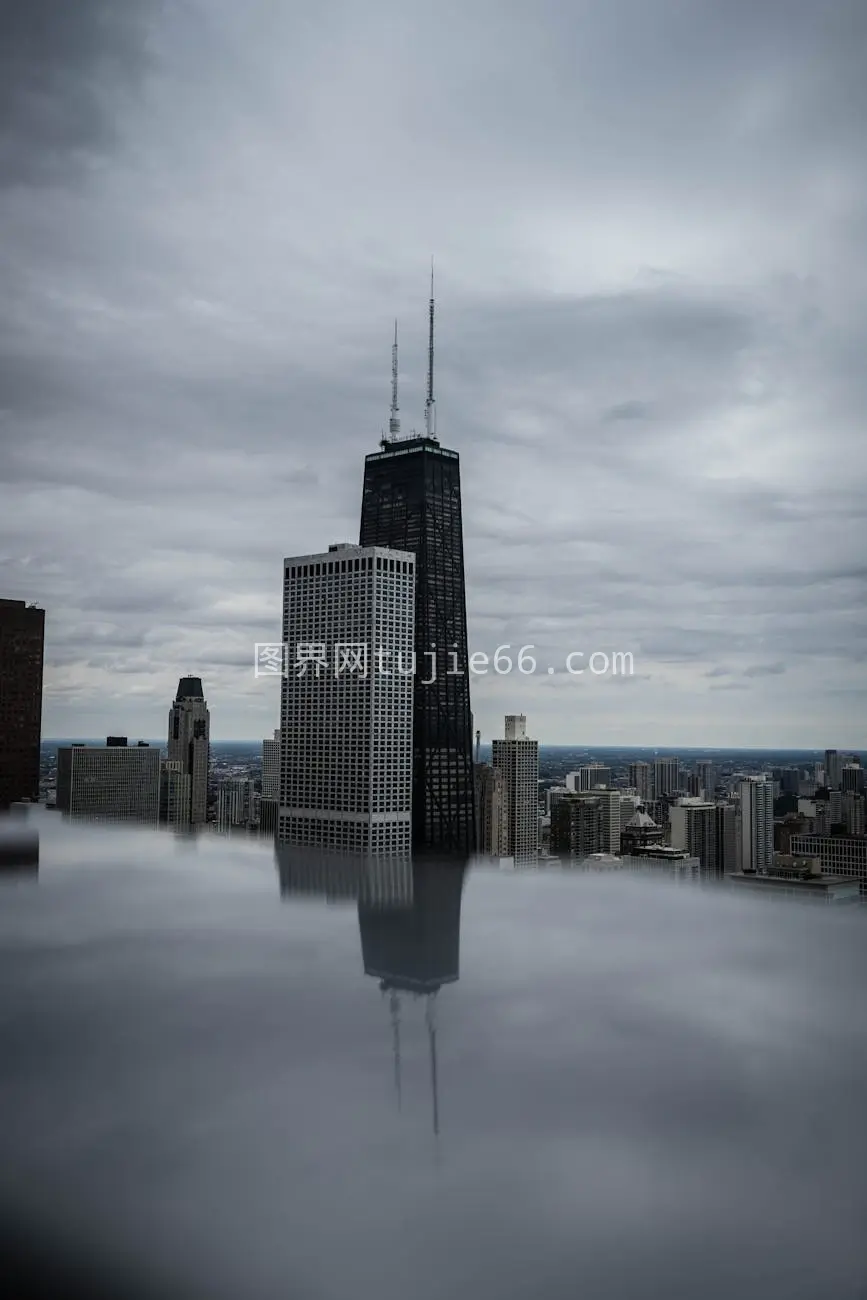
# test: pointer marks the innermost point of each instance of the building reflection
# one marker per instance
(414, 951)
(409, 918)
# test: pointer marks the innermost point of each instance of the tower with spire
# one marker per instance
(411, 501)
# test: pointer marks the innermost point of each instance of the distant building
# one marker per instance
(852, 779)
(839, 855)
(693, 828)
(22, 640)
(109, 783)
(346, 779)
(588, 777)
(641, 780)
(189, 742)
(706, 769)
(833, 769)
(271, 767)
(517, 759)
(576, 826)
(666, 777)
(174, 794)
(640, 832)
(489, 809)
(756, 824)
(854, 814)
(801, 878)
(236, 804)
(725, 839)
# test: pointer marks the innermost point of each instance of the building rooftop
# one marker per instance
(205, 1095)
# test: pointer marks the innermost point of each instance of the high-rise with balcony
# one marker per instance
(412, 503)
(517, 759)
(22, 638)
(756, 817)
(346, 701)
(190, 743)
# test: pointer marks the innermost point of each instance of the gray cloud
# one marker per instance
(651, 362)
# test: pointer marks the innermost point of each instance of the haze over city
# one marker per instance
(648, 222)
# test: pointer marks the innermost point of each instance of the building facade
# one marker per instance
(489, 810)
(641, 780)
(412, 503)
(756, 816)
(666, 777)
(693, 828)
(174, 794)
(725, 839)
(576, 826)
(190, 743)
(271, 766)
(22, 642)
(838, 855)
(116, 782)
(346, 775)
(517, 759)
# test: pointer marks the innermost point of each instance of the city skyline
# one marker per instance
(650, 272)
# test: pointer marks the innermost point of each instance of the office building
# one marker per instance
(666, 777)
(236, 804)
(271, 767)
(609, 812)
(517, 759)
(854, 814)
(347, 700)
(489, 809)
(116, 782)
(693, 828)
(706, 769)
(833, 769)
(269, 811)
(852, 778)
(412, 502)
(839, 855)
(174, 794)
(576, 826)
(639, 832)
(22, 640)
(588, 777)
(756, 815)
(641, 780)
(798, 878)
(190, 743)
(725, 839)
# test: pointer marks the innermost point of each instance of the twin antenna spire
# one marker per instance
(430, 421)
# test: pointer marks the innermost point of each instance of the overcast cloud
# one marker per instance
(649, 222)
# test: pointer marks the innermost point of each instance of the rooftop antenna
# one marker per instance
(478, 746)
(394, 421)
(430, 422)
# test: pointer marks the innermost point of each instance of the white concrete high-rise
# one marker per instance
(347, 700)
(756, 816)
(190, 742)
(271, 766)
(517, 758)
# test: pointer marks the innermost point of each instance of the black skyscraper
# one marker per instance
(412, 502)
(22, 637)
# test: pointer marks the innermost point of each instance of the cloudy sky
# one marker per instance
(650, 227)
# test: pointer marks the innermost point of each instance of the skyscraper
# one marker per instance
(517, 758)
(271, 767)
(693, 828)
(641, 780)
(114, 782)
(706, 769)
(756, 824)
(576, 826)
(346, 700)
(588, 777)
(666, 776)
(22, 638)
(489, 809)
(725, 839)
(412, 502)
(174, 794)
(190, 742)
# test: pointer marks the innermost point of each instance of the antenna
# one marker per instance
(478, 746)
(429, 407)
(394, 422)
